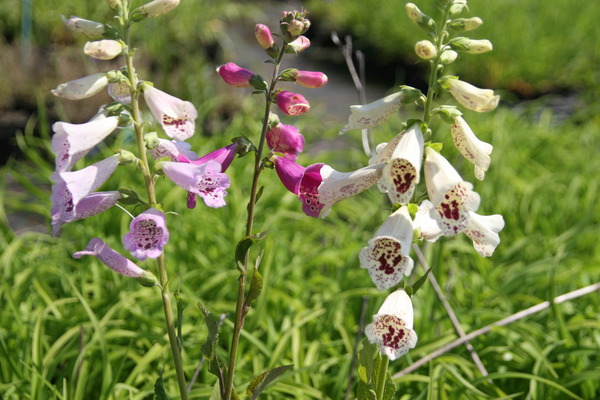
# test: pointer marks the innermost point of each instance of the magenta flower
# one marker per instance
(205, 180)
(286, 139)
(116, 262)
(310, 79)
(223, 156)
(71, 142)
(174, 115)
(263, 36)
(292, 103)
(320, 186)
(147, 235)
(234, 75)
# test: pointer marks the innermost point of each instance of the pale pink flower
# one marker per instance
(301, 43)
(147, 235)
(264, 36)
(205, 180)
(174, 115)
(84, 27)
(309, 79)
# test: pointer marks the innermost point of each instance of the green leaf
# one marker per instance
(244, 245)
(159, 389)
(260, 383)
(259, 194)
(365, 392)
(209, 348)
(390, 388)
(256, 285)
(417, 285)
(216, 392)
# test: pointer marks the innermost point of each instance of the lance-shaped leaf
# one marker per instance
(209, 348)
(260, 383)
(244, 245)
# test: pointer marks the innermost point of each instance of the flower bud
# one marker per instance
(300, 44)
(263, 36)
(418, 17)
(425, 49)
(292, 103)
(470, 45)
(448, 57)
(103, 49)
(465, 24)
(113, 3)
(157, 7)
(309, 79)
(295, 28)
(471, 97)
(234, 75)
(273, 120)
(84, 27)
(81, 88)
(286, 139)
(458, 6)
(120, 91)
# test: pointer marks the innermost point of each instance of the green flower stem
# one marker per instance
(383, 369)
(139, 134)
(240, 311)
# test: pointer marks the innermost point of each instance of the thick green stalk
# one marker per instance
(162, 270)
(381, 379)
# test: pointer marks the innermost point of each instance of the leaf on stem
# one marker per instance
(417, 285)
(260, 383)
(209, 348)
(241, 249)
(256, 284)
(159, 389)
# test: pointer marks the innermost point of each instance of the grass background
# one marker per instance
(71, 329)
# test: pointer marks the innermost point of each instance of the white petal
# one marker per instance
(398, 303)
(375, 113)
(440, 176)
(471, 147)
(428, 226)
(483, 230)
(81, 88)
(175, 115)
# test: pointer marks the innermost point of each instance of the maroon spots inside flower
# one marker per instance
(147, 234)
(175, 124)
(450, 210)
(387, 254)
(393, 331)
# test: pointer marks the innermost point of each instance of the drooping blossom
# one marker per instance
(174, 115)
(157, 7)
(471, 147)
(235, 75)
(147, 235)
(115, 261)
(286, 139)
(452, 197)
(483, 230)
(392, 326)
(387, 255)
(69, 189)
(71, 142)
(205, 180)
(403, 156)
(291, 103)
(81, 88)
(319, 186)
(84, 27)
(173, 149)
(264, 36)
(299, 44)
(103, 49)
(471, 97)
(425, 224)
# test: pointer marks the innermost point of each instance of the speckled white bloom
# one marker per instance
(471, 147)
(81, 88)
(471, 97)
(375, 113)
(103, 49)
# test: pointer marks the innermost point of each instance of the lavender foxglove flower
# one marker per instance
(292, 103)
(452, 197)
(173, 149)
(483, 230)
(392, 326)
(174, 115)
(71, 142)
(147, 235)
(115, 261)
(387, 255)
(471, 147)
(286, 139)
(205, 180)
(81, 88)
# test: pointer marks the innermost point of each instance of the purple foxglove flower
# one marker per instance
(88, 206)
(157, 7)
(471, 147)
(173, 149)
(264, 36)
(469, 96)
(70, 188)
(392, 326)
(452, 197)
(286, 139)
(292, 103)
(84, 27)
(426, 225)
(310, 79)
(116, 262)
(147, 235)
(205, 180)
(483, 230)
(375, 113)
(403, 156)
(234, 75)
(223, 156)
(174, 115)
(71, 142)
(103, 49)
(387, 255)
(320, 186)
(81, 88)
(301, 43)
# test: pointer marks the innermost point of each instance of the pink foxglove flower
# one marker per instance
(103, 49)
(392, 326)
(264, 36)
(71, 188)
(158, 7)
(174, 115)
(469, 96)
(292, 103)
(471, 147)
(235, 75)
(84, 27)
(147, 235)
(387, 255)
(116, 262)
(452, 197)
(71, 142)
(286, 139)
(299, 44)
(320, 186)
(483, 230)
(81, 88)
(403, 156)
(309, 79)
(205, 180)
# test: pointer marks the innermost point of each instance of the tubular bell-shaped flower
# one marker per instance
(71, 142)
(205, 180)
(319, 186)
(403, 156)
(81, 88)
(483, 230)
(471, 147)
(392, 327)
(471, 97)
(292, 103)
(157, 7)
(173, 149)
(286, 139)
(452, 197)
(103, 49)
(235, 75)
(115, 261)
(174, 115)
(147, 235)
(84, 27)
(387, 255)
(308, 79)
(426, 225)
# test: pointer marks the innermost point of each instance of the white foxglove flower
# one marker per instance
(392, 327)
(375, 113)
(426, 225)
(81, 88)
(387, 255)
(158, 7)
(425, 49)
(84, 27)
(471, 147)
(120, 91)
(174, 115)
(471, 97)
(483, 230)
(452, 197)
(479, 46)
(103, 49)
(403, 156)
